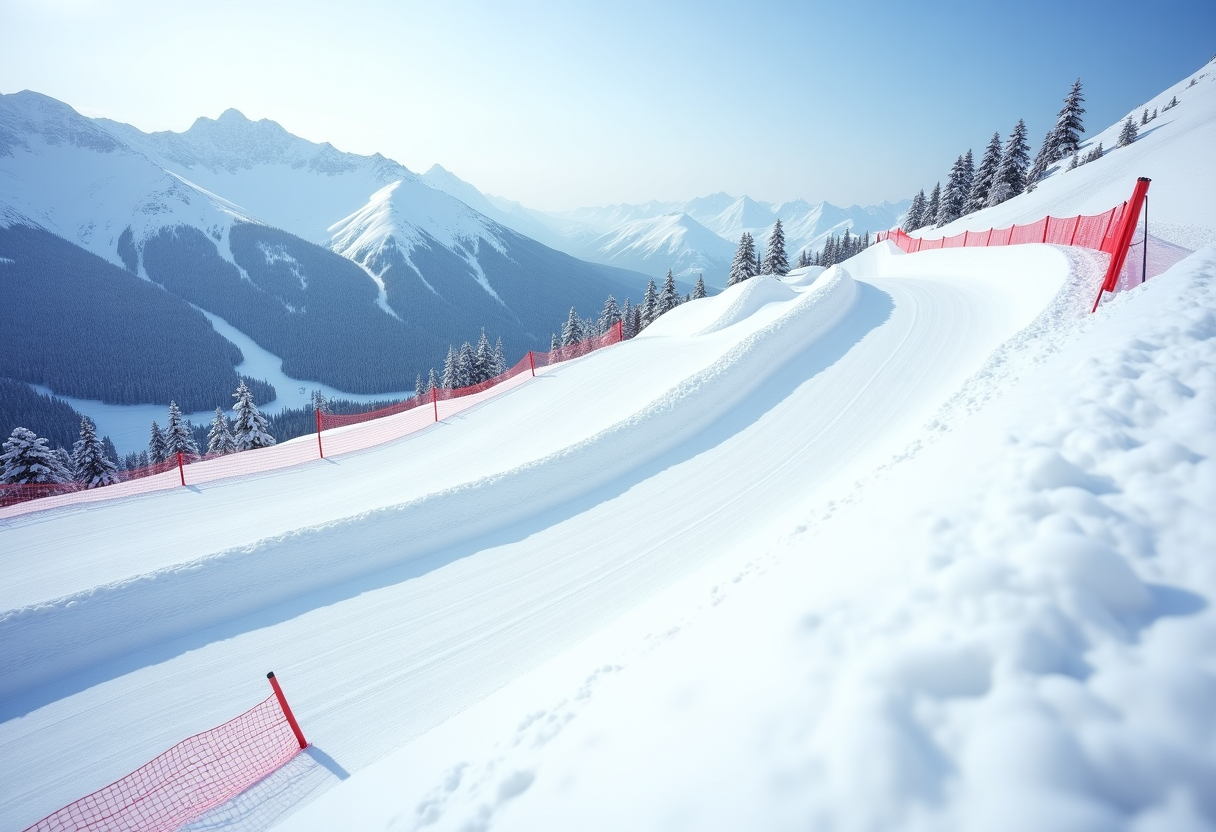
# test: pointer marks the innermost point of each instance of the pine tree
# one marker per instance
(1153, 117)
(1095, 153)
(1010, 177)
(466, 365)
(219, 438)
(1128, 134)
(555, 343)
(156, 444)
(1069, 127)
(933, 206)
(758, 264)
(627, 328)
(1074, 162)
(91, 464)
(649, 305)
(775, 259)
(432, 381)
(981, 184)
(572, 332)
(1144, 118)
(419, 392)
(916, 213)
(27, 459)
(638, 324)
(802, 259)
(609, 315)
(484, 359)
(319, 402)
(250, 427)
(698, 291)
(669, 298)
(179, 438)
(500, 358)
(743, 266)
(450, 378)
(951, 207)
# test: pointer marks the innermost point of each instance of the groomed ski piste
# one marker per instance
(912, 543)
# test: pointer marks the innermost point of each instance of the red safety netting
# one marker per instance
(526, 365)
(387, 424)
(193, 776)
(1097, 232)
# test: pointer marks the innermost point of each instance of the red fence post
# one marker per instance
(1123, 238)
(291, 718)
(435, 402)
(532, 363)
(1046, 222)
(319, 448)
(181, 469)
(620, 331)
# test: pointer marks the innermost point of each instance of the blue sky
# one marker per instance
(562, 104)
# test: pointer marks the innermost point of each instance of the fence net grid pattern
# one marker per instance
(414, 414)
(193, 776)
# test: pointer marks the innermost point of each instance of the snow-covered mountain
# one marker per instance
(638, 237)
(333, 261)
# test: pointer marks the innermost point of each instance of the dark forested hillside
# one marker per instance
(49, 417)
(87, 328)
(312, 308)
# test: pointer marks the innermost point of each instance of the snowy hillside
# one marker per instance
(671, 241)
(911, 543)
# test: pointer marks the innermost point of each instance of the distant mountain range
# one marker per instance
(355, 271)
(694, 237)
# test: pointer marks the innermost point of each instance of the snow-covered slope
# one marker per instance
(911, 543)
(671, 241)
(1174, 151)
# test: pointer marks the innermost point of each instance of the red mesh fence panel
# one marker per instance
(1033, 233)
(1061, 232)
(1139, 266)
(378, 426)
(1110, 237)
(181, 784)
(1000, 236)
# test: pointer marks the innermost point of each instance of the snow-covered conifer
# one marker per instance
(669, 298)
(90, 462)
(572, 330)
(219, 438)
(698, 291)
(1095, 153)
(466, 365)
(951, 206)
(1074, 162)
(638, 325)
(649, 305)
(1010, 177)
(249, 429)
(627, 328)
(609, 315)
(500, 358)
(1069, 126)
(27, 459)
(981, 184)
(1128, 134)
(419, 392)
(775, 259)
(450, 379)
(179, 438)
(483, 364)
(916, 213)
(934, 204)
(1154, 115)
(156, 444)
(743, 266)
(432, 381)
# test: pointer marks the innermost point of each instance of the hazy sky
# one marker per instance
(568, 103)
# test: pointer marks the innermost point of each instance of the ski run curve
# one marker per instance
(392, 589)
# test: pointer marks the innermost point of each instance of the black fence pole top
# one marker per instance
(270, 675)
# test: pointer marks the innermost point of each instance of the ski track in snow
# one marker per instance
(840, 376)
